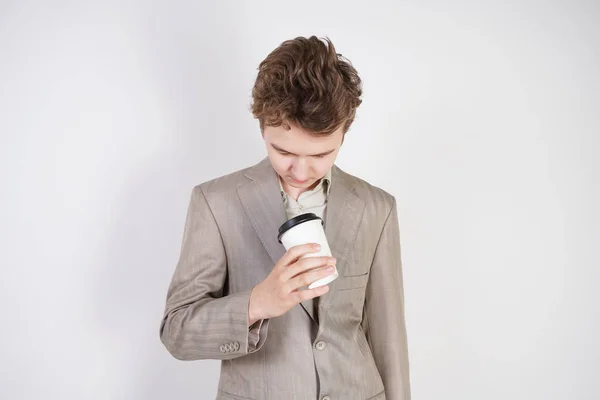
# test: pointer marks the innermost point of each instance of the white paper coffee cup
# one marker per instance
(303, 229)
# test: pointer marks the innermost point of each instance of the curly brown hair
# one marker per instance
(305, 82)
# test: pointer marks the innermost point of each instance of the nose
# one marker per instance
(301, 169)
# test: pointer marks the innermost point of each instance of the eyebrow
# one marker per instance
(311, 155)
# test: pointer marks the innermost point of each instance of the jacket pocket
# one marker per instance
(349, 298)
(352, 281)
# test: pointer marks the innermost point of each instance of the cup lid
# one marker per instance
(290, 223)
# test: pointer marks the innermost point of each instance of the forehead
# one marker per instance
(296, 140)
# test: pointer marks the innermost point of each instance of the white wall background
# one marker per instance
(482, 118)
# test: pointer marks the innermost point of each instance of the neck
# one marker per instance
(296, 192)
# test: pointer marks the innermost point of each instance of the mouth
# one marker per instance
(299, 182)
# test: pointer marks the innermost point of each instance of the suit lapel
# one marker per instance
(262, 202)
(343, 216)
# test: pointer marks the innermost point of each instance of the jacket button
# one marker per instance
(320, 346)
(326, 398)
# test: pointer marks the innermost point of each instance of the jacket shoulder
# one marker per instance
(223, 184)
(367, 191)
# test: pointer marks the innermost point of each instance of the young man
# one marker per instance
(234, 294)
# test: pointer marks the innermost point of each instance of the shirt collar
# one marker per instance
(325, 181)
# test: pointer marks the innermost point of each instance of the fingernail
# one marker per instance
(317, 246)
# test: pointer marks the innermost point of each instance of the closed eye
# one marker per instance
(316, 156)
(286, 153)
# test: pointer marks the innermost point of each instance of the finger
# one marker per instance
(303, 295)
(307, 278)
(294, 253)
(305, 264)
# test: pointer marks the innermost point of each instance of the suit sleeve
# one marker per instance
(383, 318)
(199, 322)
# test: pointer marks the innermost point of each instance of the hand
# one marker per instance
(278, 293)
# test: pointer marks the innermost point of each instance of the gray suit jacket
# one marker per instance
(358, 347)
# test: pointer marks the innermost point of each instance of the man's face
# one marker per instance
(299, 158)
